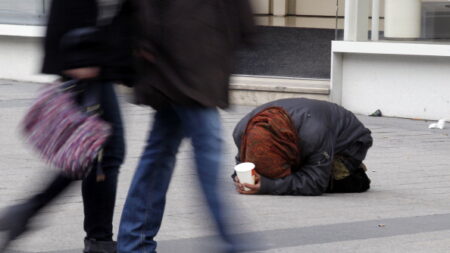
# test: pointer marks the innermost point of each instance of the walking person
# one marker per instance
(185, 51)
(97, 71)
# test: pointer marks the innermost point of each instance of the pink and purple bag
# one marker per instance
(63, 133)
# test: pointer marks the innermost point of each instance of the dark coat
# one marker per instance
(116, 58)
(325, 129)
(191, 45)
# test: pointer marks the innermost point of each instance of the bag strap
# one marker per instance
(91, 104)
(90, 94)
(100, 173)
(91, 99)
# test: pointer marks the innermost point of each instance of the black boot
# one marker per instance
(14, 222)
(93, 246)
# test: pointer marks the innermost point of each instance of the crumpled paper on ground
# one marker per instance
(440, 124)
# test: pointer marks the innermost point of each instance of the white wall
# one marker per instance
(318, 7)
(261, 6)
(410, 86)
(21, 59)
(301, 7)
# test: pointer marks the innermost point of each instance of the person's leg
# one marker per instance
(53, 189)
(99, 197)
(99, 201)
(357, 181)
(144, 207)
(16, 218)
(203, 126)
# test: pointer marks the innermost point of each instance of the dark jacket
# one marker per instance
(325, 129)
(191, 44)
(115, 58)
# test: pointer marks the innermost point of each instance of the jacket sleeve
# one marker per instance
(246, 22)
(313, 177)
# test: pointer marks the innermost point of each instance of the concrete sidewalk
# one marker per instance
(407, 209)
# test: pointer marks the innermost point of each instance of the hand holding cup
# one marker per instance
(246, 181)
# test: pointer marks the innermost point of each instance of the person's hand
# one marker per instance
(83, 73)
(253, 188)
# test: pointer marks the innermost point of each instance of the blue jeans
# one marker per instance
(144, 207)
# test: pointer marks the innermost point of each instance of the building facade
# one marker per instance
(392, 55)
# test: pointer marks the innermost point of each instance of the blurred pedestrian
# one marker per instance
(185, 57)
(105, 24)
(303, 147)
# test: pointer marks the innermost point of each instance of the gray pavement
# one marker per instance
(407, 209)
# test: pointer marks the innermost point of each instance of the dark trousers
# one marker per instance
(357, 181)
(98, 197)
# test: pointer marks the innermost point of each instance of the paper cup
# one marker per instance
(246, 173)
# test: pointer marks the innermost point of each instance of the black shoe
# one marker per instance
(14, 222)
(94, 246)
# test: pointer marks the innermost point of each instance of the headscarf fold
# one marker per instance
(270, 141)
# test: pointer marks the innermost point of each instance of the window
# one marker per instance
(401, 20)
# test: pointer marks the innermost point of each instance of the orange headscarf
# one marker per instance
(271, 143)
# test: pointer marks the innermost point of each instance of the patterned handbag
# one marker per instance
(67, 135)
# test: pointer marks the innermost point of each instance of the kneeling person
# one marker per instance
(303, 147)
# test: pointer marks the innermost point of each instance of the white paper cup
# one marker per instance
(246, 173)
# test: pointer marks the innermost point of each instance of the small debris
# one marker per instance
(381, 225)
(440, 124)
(377, 113)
